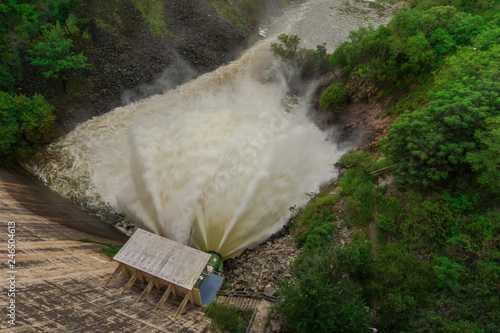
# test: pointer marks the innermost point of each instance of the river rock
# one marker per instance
(262, 267)
(270, 290)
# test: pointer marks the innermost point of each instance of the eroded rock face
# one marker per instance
(259, 269)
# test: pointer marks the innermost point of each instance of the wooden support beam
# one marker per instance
(146, 291)
(163, 299)
(130, 282)
(183, 304)
(117, 272)
(173, 291)
(157, 284)
(141, 277)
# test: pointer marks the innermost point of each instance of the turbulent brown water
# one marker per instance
(217, 162)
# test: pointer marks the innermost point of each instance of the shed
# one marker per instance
(162, 263)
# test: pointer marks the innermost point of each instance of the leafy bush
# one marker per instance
(316, 62)
(485, 160)
(334, 96)
(404, 285)
(440, 269)
(418, 98)
(357, 190)
(25, 125)
(226, 318)
(388, 214)
(449, 140)
(356, 259)
(43, 30)
(320, 296)
(319, 233)
(316, 223)
(356, 159)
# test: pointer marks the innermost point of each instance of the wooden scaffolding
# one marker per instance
(161, 263)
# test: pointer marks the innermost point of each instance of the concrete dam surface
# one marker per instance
(58, 280)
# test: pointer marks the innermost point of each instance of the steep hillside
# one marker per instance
(132, 43)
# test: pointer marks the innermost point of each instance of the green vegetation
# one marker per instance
(289, 50)
(436, 265)
(305, 62)
(321, 295)
(25, 124)
(53, 53)
(152, 11)
(38, 35)
(452, 138)
(109, 250)
(436, 259)
(443, 59)
(316, 223)
(45, 32)
(438, 262)
(227, 9)
(226, 318)
(357, 189)
(334, 96)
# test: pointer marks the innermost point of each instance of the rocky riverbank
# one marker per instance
(259, 269)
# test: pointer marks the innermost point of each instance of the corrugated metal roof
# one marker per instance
(161, 257)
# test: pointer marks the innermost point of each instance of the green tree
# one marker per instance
(289, 50)
(53, 53)
(486, 159)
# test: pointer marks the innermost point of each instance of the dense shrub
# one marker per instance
(334, 96)
(320, 296)
(316, 225)
(438, 268)
(52, 52)
(450, 139)
(25, 125)
(289, 50)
